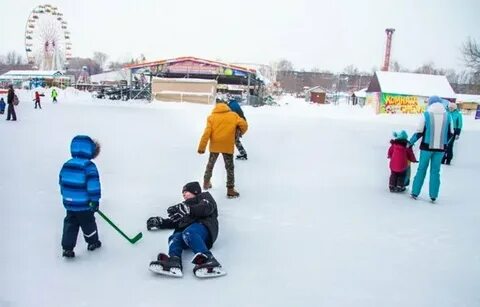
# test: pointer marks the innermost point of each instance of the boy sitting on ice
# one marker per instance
(196, 227)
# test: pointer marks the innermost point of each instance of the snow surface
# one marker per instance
(315, 224)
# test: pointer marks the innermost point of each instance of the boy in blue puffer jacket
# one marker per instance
(80, 189)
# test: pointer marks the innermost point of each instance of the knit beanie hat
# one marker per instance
(402, 135)
(221, 98)
(192, 187)
(433, 99)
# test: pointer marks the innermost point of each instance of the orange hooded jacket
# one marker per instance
(220, 131)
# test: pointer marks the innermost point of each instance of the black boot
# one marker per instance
(94, 246)
(68, 253)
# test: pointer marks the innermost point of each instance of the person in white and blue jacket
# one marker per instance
(80, 188)
(435, 131)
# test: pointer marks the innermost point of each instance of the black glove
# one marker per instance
(94, 206)
(177, 212)
(154, 222)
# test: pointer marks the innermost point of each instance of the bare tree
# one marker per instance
(351, 70)
(284, 65)
(395, 66)
(115, 65)
(77, 64)
(100, 58)
(430, 69)
(471, 54)
(13, 58)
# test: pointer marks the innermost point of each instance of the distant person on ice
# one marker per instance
(2, 105)
(54, 95)
(235, 107)
(435, 130)
(37, 99)
(400, 155)
(196, 227)
(222, 125)
(10, 101)
(80, 188)
(457, 122)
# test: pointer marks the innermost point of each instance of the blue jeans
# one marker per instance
(434, 158)
(193, 237)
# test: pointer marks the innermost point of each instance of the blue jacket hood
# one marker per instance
(434, 99)
(82, 147)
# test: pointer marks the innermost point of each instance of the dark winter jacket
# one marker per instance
(10, 96)
(235, 107)
(79, 179)
(203, 210)
(400, 155)
(457, 121)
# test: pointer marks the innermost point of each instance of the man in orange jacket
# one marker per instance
(220, 132)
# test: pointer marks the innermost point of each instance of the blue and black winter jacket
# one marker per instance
(79, 179)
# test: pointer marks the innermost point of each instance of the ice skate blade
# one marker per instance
(158, 269)
(209, 273)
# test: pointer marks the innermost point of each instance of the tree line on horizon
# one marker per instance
(470, 51)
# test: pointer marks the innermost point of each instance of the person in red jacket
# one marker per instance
(400, 155)
(37, 99)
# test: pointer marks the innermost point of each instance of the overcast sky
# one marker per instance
(328, 35)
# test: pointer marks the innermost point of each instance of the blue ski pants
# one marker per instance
(193, 237)
(434, 158)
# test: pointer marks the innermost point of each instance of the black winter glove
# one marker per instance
(94, 206)
(154, 222)
(178, 212)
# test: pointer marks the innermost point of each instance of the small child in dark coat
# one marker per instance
(400, 155)
(2, 105)
(196, 227)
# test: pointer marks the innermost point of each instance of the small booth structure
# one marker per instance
(224, 74)
(396, 92)
(316, 94)
(468, 103)
(35, 78)
(359, 97)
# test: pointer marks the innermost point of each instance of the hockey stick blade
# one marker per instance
(136, 238)
(132, 240)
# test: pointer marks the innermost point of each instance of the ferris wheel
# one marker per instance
(47, 39)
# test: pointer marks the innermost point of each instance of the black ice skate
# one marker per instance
(241, 157)
(207, 266)
(165, 265)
